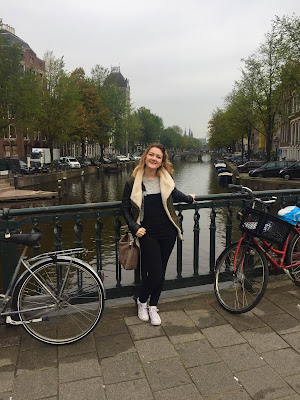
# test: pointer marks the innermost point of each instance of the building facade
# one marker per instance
(15, 143)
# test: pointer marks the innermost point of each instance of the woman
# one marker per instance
(148, 209)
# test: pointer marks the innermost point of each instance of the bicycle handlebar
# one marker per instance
(244, 189)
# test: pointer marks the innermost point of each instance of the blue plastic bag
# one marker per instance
(290, 214)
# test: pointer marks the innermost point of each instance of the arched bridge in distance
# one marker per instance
(186, 155)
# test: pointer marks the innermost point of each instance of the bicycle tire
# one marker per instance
(240, 291)
(72, 316)
(292, 255)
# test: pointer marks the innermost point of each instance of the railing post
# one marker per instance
(179, 246)
(212, 228)
(36, 229)
(196, 241)
(229, 224)
(98, 230)
(57, 234)
(117, 227)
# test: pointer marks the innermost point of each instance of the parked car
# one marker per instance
(271, 168)
(291, 172)
(249, 165)
(123, 158)
(84, 162)
(25, 169)
(60, 165)
(72, 162)
(106, 160)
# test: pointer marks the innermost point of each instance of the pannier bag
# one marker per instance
(290, 214)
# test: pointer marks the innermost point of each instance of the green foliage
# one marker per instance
(151, 126)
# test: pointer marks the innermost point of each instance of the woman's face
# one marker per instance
(154, 158)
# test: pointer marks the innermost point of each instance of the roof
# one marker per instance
(13, 39)
(118, 79)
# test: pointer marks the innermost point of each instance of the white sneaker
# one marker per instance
(154, 317)
(142, 311)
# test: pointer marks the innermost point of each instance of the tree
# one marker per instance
(10, 77)
(152, 126)
(60, 102)
(262, 78)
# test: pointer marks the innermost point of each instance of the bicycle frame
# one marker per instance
(27, 265)
(266, 247)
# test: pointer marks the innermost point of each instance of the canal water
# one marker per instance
(190, 177)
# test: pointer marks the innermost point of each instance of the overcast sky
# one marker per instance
(181, 56)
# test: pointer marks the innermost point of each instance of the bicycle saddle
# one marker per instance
(26, 239)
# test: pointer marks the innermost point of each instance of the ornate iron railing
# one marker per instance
(52, 219)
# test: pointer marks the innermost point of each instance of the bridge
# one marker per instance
(184, 155)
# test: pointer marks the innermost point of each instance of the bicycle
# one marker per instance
(242, 269)
(58, 299)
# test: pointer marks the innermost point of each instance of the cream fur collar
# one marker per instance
(167, 186)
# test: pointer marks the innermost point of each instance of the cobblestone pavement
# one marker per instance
(199, 352)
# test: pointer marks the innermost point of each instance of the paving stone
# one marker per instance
(223, 335)
(295, 292)
(78, 367)
(7, 375)
(189, 392)
(133, 321)
(36, 359)
(30, 343)
(291, 397)
(145, 331)
(264, 383)
(175, 318)
(236, 395)
(106, 328)
(266, 307)
(182, 334)
(132, 390)
(196, 353)
(85, 345)
(293, 339)
(280, 298)
(205, 318)
(292, 309)
(213, 379)
(282, 323)
(165, 374)
(88, 389)
(264, 339)
(6, 396)
(10, 341)
(8, 355)
(240, 357)
(117, 312)
(121, 368)
(245, 321)
(155, 349)
(108, 346)
(285, 361)
(294, 382)
(36, 385)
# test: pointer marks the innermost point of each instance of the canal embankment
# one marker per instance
(258, 183)
(23, 181)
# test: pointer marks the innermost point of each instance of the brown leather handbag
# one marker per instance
(128, 252)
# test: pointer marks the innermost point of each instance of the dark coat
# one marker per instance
(132, 200)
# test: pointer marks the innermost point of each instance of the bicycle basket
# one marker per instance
(265, 226)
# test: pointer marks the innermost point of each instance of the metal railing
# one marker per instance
(54, 217)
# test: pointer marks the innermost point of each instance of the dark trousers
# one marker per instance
(155, 253)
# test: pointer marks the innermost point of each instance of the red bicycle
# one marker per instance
(242, 269)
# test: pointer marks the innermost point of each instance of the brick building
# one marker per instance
(14, 142)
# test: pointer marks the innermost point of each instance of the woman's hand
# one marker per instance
(140, 232)
(193, 196)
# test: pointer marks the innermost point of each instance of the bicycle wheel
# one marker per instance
(66, 298)
(240, 290)
(293, 257)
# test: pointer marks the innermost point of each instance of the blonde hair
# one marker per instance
(166, 163)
